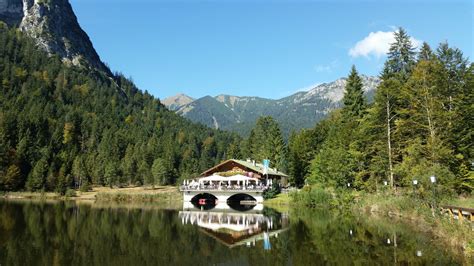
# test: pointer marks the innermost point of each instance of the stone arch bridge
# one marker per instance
(222, 195)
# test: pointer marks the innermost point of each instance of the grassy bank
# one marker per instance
(280, 203)
(106, 194)
(402, 207)
(458, 236)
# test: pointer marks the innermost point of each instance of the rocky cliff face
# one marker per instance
(53, 24)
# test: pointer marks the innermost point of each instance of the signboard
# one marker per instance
(266, 166)
(266, 163)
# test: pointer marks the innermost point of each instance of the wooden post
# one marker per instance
(460, 217)
(451, 214)
(472, 217)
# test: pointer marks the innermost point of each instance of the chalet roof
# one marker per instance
(258, 167)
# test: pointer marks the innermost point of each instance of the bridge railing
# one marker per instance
(223, 188)
(459, 213)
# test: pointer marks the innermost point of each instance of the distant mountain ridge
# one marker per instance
(300, 110)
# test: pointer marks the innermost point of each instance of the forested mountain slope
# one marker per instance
(63, 126)
(300, 110)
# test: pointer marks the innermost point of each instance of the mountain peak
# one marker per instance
(238, 113)
(334, 91)
(174, 102)
(54, 26)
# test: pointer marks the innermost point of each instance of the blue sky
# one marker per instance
(260, 48)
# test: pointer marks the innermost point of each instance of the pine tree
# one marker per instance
(266, 142)
(12, 179)
(160, 173)
(333, 165)
(425, 54)
(37, 178)
(455, 67)
(423, 124)
(397, 69)
(401, 56)
(354, 101)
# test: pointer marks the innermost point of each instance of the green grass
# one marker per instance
(456, 235)
(280, 203)
(280, 199)
(135, 197)
(466, 202)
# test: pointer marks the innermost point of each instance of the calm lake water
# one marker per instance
(69, 234)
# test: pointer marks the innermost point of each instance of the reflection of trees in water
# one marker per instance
(65, 234)
(346, 240)
(69, 235)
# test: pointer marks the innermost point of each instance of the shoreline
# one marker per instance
(105, 194)
(453, 235)
(456, 236)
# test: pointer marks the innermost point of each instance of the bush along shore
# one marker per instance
(422, 212)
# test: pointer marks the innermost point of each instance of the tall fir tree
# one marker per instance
(425, 54)
(401, 56)
(397, 69)
(354, 101)
(266, 142)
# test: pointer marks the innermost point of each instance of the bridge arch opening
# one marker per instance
(204, 201)
(241, 202)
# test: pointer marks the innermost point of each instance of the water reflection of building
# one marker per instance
(237, 228)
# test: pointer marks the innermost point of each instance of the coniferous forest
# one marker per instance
(419, 125)
(69, 127)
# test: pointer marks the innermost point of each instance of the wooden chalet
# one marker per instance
(248, 168)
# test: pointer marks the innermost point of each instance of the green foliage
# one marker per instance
(12, 179)
(303, 147)
(354, 100)
(85, 186)
(420, 124)
(37, 178)
(338, 161)
(266, 142)
(70, 193)
(160, 172)
(312, 197)
(401, 56)
(64, 126)
(272, 192)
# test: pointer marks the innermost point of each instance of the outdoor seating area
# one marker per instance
(217, 182)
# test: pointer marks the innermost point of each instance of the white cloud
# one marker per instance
(376, 44)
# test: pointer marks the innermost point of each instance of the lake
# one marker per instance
(66, 233)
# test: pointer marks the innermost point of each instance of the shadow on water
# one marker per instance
(69, 234)
(204, 201)
(237, 206)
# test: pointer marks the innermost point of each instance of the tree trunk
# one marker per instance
(389, 145)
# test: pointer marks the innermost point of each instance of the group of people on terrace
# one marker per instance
(234, 182)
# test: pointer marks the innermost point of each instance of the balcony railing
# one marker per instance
(223, 188)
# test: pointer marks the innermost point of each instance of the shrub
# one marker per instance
(272, 192)
(70, 193)
(312, 197)
(85, 187)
